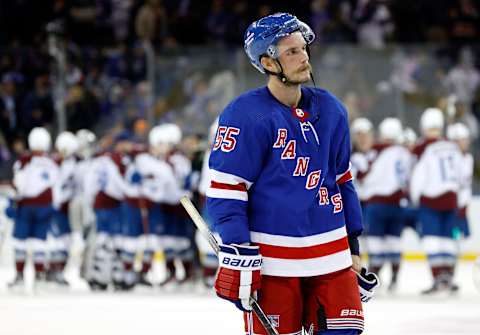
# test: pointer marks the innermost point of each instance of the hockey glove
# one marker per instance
(367, 282)
(11, 210)
(238, 274)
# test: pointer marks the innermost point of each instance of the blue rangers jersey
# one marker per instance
(280, 179)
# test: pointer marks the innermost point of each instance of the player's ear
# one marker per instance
(269, 64)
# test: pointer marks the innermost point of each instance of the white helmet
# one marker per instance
(85, 137)
(409, 135)
(167, 133)
(432, 118)
(361, 125)
(86, 140)
(66, 143)
(391, 129)
(39, 139)
(457, 131)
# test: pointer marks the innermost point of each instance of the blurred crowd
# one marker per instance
(169, 22)
(107, 87)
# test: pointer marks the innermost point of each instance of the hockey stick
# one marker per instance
(205, 231)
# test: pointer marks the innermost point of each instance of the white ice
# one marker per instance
(80, 312)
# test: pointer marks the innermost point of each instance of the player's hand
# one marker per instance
(356, 263)
(11, 210)
(239, 274)
(367, 282)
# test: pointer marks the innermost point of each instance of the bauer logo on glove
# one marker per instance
(239, 274)
(367, 282)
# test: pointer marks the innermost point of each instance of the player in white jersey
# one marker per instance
(362, 140)
(83, 205)
(105, 185)
(385, 186)
(137, 224)
(434, 187)
(460, 134)
(409, 138)
(361, 158)
(34, 177)
(178, 234)
(410, 212)
(152, 182)
(64, 190)
(208, 259)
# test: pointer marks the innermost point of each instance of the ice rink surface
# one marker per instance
(155, 312)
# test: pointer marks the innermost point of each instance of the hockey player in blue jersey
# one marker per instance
(281, 194)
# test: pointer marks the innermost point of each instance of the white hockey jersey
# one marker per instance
(158, 183)
(387, 178)
(105, 182)
(465, 192)
(205, 179)
(182, 168)
(436, 175)
(34, 176)
(361, 162)
(65, 185)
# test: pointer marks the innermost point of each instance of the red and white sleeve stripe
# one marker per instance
(346, 176)
(227, 186)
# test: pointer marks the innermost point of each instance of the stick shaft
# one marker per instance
(206, 232)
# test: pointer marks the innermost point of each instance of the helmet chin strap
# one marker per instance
(281, 75)
(283, 78)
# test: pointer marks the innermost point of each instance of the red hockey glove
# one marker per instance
(238, 274)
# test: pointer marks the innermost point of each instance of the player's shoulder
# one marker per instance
(250, 106)
(178, 158)
(144, 157)
(325, 100)
(23, 159)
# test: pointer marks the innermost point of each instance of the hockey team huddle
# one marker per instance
(425, 184)
(131, 192)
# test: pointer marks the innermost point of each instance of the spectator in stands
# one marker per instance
(238, 23)
(82, 108)
(319, 17)
(464, 17)
(140, 130)
(81, 21)
(341, 27)
(9, 157)
(463, 79)
(9, 120)
(463, 82)
(38, 109)
(217, 22)
(5, 156)
(120, 16)
(374, 23)
(151, 22)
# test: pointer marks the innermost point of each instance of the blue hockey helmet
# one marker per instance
(263, 35)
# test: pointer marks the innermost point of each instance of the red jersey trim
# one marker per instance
(315, 251)
(222, 186)
(345, 178)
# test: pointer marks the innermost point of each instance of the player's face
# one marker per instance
(363, 141)
(464, 144)
(294, 58)
(161, 149)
